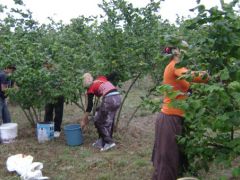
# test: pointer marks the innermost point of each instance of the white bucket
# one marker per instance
(8, 132)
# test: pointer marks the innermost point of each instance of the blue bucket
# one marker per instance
(45, 131)
(73, 134)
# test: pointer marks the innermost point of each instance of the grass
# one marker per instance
(81, 162)
(130, 160)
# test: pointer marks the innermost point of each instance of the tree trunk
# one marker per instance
(125, 97)
(138, 107)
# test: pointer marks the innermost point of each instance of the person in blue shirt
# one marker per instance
(5, 83)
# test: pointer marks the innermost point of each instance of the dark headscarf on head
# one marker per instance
(113, 77)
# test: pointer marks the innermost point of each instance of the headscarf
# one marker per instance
(87, 80)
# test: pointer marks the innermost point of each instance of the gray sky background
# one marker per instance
(66, 9)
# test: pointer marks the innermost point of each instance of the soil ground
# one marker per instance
(130, 160)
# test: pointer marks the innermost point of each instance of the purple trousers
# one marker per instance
(105, 115)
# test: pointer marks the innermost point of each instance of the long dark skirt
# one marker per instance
(165, 156)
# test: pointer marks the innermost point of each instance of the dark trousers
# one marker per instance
(57, 107)
(4, 113)
(166, 155)
(104, 118)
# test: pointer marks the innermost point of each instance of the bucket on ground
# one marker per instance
(73, 134)
(8, 132)
(45, 131)
(187, 178)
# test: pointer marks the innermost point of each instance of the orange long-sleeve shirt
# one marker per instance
(170, 77)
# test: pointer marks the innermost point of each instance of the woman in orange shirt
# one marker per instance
(166, 156)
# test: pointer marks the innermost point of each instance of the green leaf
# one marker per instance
(224, 74)
(201, 8)
(236, 172)
(214, 87)
(235, 85)
(19, 2)
(223, 178)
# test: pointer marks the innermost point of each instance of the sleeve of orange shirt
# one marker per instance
(180, 71)
(197, 75)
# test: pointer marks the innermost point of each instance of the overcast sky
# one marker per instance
(66, 9)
